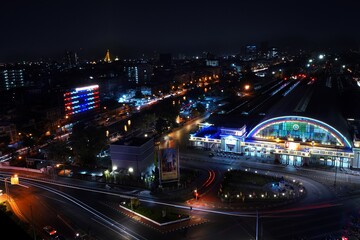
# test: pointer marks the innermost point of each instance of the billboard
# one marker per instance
(292, 145)
(169, 164)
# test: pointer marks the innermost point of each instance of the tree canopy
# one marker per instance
(87, 142)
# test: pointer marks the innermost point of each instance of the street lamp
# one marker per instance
(6, 187)
(196, 194)
(14, 180)
(114, 168)
(336, 159)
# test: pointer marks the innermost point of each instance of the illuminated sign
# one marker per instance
(292, 145)
(169, 164)
(14, 180)
(81, 99)
(230, 140)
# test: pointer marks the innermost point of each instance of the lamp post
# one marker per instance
(196, 194)
(13, 181)
(114, 168)
(336, 159)
(6, 188)
(257, 225)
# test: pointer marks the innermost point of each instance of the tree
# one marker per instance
(161, 125)
(200, 108)
(4, 143)
(138, 94)
(146, 121)
(134, 202)
(87, 142)
(58, 151)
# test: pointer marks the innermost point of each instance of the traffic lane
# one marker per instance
(315, 191)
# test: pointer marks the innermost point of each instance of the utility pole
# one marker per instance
(257, 225)
(336, 159)
(32, 222)
(7, 188)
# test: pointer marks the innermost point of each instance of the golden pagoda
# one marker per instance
(107, 57)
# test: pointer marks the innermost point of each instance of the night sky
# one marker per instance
(34, 29)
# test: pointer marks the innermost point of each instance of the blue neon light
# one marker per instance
(82, 99)
(298, 118)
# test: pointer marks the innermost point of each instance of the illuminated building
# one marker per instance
(11, 78)
(81, 99)
(71, 59)
(293, 140)
(133, 74)
(299, 123)
(8, 130)
(138, 72)
(135, 153)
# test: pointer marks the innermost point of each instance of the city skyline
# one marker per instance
(122, 120)
(41, 29)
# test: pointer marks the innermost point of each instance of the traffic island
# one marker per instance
(161, 218)
(251, 190)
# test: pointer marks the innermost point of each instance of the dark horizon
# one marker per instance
(124, 52)
(41, 29)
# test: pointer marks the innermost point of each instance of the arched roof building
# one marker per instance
(299, 128)
(298, 121)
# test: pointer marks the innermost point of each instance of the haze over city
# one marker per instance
(38, 29)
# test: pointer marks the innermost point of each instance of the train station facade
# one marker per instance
(290, 140)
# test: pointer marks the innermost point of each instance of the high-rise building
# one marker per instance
(263, 49)
(81, 99)
(249, 52)
(71, 59)
(138, 73)
(273, 52)
(132, 74)
(165, 60)
(9, 130)
(11, 78)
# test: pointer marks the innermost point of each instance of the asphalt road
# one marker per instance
(319, 214)
(73, 205)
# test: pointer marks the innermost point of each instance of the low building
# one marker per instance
(133, 155)
(8, 130)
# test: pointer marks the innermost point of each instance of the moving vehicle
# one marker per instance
(51, 231)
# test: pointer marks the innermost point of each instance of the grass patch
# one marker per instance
(245, 186)
(248, 178)
(156, 213)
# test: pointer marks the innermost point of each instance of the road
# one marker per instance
(87, 205)
(72, 204)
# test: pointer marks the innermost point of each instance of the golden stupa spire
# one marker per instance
(107, 56)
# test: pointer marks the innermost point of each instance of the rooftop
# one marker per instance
(132, 141)
(325, 99)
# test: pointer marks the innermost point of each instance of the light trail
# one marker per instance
(122, 230)
(210, 179)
